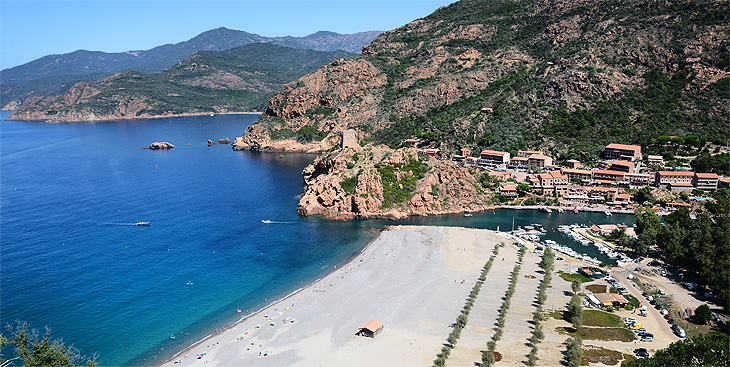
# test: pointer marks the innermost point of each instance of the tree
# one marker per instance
(523, 188)
(644, 196)
(488, 358)
(698, 350)
(575, 351)
(703, 314)
(548, 260)
(575, 286)
(40, 351)
(575, 311)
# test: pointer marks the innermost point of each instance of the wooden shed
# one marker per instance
(371, 328)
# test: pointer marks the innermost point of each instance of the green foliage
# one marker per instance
(575, 351)
(308, 133)
(701, 246)
(548, 260)
(706, 162)
(711, 349)
(349, 184)
(600, 318)
(38, 349)
(703, 314)
(575, 311)
(575, 286)
(395, 191)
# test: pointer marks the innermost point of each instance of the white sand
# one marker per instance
(410, 278)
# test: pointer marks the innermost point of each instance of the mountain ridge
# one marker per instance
(44, 76)
(235, 80)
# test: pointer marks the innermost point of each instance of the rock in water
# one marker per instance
(160, 145)
(220, 141)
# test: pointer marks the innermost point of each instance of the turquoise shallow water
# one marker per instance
(71, 260)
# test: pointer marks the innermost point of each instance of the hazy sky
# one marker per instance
(32, 29)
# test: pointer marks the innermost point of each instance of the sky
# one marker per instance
(33, 29)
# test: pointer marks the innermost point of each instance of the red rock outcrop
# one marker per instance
(348, 185)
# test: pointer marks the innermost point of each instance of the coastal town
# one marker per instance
(611, 184)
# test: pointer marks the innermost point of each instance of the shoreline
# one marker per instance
(279, 300)
(50, 121)
(566, 208)
(407, 245)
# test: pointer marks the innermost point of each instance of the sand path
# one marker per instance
(514, 345)
(483, 315)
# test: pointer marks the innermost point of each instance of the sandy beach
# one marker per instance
(413, 279)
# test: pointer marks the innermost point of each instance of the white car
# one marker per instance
(630, 320)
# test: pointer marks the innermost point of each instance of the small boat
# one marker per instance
(190, 283)
(560, 210)
(142, 224)
(575, 210)
(267, 221)
(545, 210)
(468, 215)
(212, 114)
(608, 213)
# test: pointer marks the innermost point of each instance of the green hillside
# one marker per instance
(236, 80)
(564, 76)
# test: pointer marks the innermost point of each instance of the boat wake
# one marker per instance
(136, 224)
(268, 221)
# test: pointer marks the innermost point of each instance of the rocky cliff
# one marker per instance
(564, 76)
(378, 182)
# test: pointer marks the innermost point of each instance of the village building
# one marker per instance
(580, 174)
(677, 187)
(608, 300)
(528, 153)
(601, 194)
(573, 163)
(471, 161)
(466, 152)
(664, 178)
(623, 166)
(637, 180)
(655, 160)
(622, 151)
(623, 198)
(371, 328)
(433, 152)
(593, 273)
(574, 194)
(608, 175)
(504, 176)
(539, 160)
(520, 162)
(411, 142)
(493, 158)
(349, 139)
(723, 182)
(705, 181)
(508, 189)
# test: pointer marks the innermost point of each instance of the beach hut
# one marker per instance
(371, 328)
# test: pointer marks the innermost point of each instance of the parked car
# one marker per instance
(679, 331)
(647, 339)
(640, 330)
(629, 320)
(641, 352)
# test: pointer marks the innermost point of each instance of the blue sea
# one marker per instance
(72, 259)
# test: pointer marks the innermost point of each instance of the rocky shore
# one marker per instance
(378, 182)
